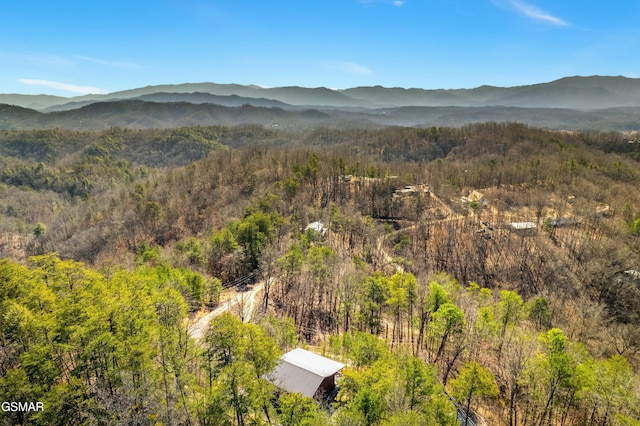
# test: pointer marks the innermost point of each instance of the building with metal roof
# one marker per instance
(307, 373)
(523, 228)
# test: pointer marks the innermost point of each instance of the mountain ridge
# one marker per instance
(567, 92)
(139, 114)
(572, 103)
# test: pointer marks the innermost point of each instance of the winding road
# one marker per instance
(244, 301)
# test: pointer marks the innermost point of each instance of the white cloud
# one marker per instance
(398, 3)
(350, 67)
(109, 63)
(539, 15)
(49, 60)
(82, 90)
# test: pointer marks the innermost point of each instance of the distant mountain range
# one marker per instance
(574, 102)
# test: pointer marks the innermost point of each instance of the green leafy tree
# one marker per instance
(369, 404)
(291, 186)
(91, 347)
(401, 297)
(18, 324)
(540, 312)
(222, 342)
(70, 403)
(299, 410)
(254, 231)
(393, 384)
(435, 296)
(448, 321)
(173, 352)
(555, 368)
(486, 324)
(364, 348)
(510, 311)
(193, 250)
(237, 358)
(374, 294)
(472, 382)
(635, 227)
(409, 418)
(613, 388)
(291, 263)
(243, 390)
(259, 350)
(212, 291)
(39, 230)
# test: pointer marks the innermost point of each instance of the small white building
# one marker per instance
(317, 226)
(523, 226)
(524, 229)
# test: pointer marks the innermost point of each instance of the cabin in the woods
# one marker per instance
(307, 373)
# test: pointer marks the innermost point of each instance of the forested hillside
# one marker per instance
(578, 93)
(494, 264)
(190, 112)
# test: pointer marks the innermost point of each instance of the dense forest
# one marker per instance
(492, 269)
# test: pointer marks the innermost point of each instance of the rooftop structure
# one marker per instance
(523, 226)
(317, 226)
(305, 372)
(410, 190)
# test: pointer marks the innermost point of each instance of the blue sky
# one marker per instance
(70, 48)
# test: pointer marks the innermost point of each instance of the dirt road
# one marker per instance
(244, 303)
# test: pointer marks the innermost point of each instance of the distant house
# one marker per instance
(411, 190)
(307, 373)
(523, 228)
(316, 226)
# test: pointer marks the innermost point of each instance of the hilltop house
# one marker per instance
(306, 373)
(317, 226)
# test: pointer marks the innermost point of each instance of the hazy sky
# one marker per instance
(69, 47)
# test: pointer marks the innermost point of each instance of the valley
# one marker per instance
(153, 272)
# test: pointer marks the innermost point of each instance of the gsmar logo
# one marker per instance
(17, 406)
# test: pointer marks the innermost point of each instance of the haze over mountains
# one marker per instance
(573, 103)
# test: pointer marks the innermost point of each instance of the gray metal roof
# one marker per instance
(315, 363)
(303, 371)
